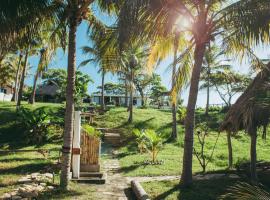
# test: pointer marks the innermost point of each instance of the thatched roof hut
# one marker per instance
(251, 110)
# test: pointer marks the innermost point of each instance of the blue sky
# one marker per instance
(60, 61)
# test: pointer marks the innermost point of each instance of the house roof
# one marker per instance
(252, 109)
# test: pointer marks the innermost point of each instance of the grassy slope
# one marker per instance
(15, 165)
(172, 152)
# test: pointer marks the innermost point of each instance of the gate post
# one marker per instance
(76, 145)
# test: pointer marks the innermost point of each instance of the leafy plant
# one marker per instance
(182, 111)
(246, 191)
(149, 140)
(36, 124)
(90, 130)
(153, 142)
(140, 140)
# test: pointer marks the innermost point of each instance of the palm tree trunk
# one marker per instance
(126, 93)
(130, 119)
(22, 79)
(264, 132)
(208, 92)
(15, 94)
(102, 91)
(33, 95)
(229, 143)
(174, 119)
(69, 115)
(186, 178)
(253, 157)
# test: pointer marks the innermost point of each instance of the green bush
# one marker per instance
(149, 140)
(90, 130)
(36, 124)
(182, 111)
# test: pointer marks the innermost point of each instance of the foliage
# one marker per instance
(245, 191)
(182, 111)
(59, 77)
(91, 131)
(157, 90)
(140, 140)
(202, 131)
(149, 140)
(36, 123)
(113, 88)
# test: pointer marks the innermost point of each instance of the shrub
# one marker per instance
(140, 140)
(90, 130)
(36, 124)
(149, 140)
(182, 111)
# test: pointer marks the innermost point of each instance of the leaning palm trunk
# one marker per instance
(69, 120)
(22, 79)
(15, 95)
(33, 95)
(102, 91)
(174, 119)
(186, 178)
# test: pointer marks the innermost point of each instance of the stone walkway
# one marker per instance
(117, 187)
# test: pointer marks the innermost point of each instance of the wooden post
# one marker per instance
(76, 145)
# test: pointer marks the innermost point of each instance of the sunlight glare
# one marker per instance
(183, 23)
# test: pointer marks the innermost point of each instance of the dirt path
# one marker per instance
(117, 186)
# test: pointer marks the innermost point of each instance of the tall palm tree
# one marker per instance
(201, 22)
(99, 57)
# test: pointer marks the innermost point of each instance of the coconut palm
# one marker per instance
(97, 56)
(200, 22)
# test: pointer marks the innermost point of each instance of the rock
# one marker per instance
(50, 187)
(49, 175)
(14, 193)
(43, 184)
(6, 196)
(39, 188)
(16, 197)
(24, 180)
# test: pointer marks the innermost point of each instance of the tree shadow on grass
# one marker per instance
(128, 168)
(201, 189)
(60, 194)
(24, 169)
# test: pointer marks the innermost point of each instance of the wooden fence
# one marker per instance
(90, 152)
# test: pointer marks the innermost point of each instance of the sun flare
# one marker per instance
(183, 23)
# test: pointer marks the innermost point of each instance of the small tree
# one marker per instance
(202, 131)
(140, 140)
(154, 143)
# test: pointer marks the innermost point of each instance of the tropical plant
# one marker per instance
(154, 142)
(36, 124)
(245, 191)
(90, 130)
(182, 112)
(140, 140)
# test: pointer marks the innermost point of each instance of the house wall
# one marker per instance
(6, 94)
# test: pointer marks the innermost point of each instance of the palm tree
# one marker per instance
(201, 22)
(97, 56)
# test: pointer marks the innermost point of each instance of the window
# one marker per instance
(3, 90)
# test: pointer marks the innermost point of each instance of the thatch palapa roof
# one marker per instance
(252, 109)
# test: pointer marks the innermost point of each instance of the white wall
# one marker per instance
(5, 97)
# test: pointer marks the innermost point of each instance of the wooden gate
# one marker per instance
(90, 152)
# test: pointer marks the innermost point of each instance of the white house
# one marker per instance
(6, 93)
(116, 99)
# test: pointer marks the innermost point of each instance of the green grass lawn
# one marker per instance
(172, 152)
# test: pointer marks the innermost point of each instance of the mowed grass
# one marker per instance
(172, 153)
